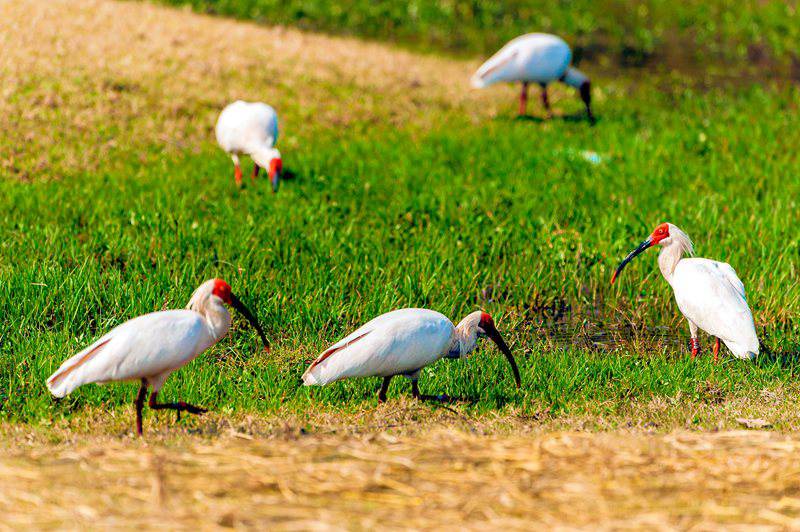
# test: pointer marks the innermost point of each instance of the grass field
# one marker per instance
(408, 189)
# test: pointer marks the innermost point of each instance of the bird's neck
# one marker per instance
(668, 259)
(574, 77)
(465, 338)
(218, 319)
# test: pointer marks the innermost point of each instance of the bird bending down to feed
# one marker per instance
(402, 342)
(709, 293)
(251, 129)
(150, 347)
(534, 58)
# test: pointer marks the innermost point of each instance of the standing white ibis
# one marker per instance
(534, 58)
(709, 293)
(402, 342)
(150, 347)
(245, 128)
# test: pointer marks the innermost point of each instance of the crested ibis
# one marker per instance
(245, 128)
(402, 342)
(535, 58)
(150, 347)
(709, 293)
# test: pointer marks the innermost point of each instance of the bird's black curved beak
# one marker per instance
(494, 334)
(632, 255)
(244, 311)
(274, 179)
(586, 96)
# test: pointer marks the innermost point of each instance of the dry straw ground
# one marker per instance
(562, 480)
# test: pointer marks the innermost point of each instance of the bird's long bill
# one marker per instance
(501, 344)
(244, 311)
(274, 179)
(632, 255)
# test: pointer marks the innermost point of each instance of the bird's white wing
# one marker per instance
(499, 67)
(266, 119)
(535, 57)
(397, 342)
(712, 296)
(245, 127)
(142, 347)
(727, 271)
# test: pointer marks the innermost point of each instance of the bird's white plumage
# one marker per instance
(250, 129)
(148, 347)
(398, 342)
(711, 295)
(535, 57)
(153, 345)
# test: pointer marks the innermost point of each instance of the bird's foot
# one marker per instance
(180, 406)
(440, 398)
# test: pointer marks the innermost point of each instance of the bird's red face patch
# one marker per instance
(486, 321)
(275, 166)
(222, 290)
(661, 232)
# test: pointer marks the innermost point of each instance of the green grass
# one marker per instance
(503, 214)
(764, 32)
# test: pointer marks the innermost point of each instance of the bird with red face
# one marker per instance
(245, 128)
(149, 348)
(709, 293)
(402, 342)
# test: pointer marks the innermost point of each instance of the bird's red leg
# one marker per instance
(523, 99)
(716, 350)
(384, 389)
(139, 405)
(237, 175)
(546, 101)
(179, 407)
(255, 172)
(694, 345)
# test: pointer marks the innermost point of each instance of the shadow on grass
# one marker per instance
(579, 116)
(785, 358)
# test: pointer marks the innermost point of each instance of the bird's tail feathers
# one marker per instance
(309, 379)
(67, 378)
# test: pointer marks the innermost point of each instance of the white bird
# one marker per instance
(534, 58)
(150, 347)
(402, 342)
(251, 129)
(709, 293)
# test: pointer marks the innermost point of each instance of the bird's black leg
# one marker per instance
(545, 100)
(384, 389)
(256, 168)
(416, 395)
(179, 407)
(523, 99)
(139, 405)
(415, 389)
